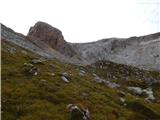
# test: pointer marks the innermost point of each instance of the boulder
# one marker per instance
(150, 96)
(78, 113)
(34, 71)
(135, 90)
(30, 69)
(82, 72)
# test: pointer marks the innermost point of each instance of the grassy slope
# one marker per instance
(27, 97)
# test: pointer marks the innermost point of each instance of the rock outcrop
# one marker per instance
(50, 36)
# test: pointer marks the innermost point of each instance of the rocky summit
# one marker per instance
(44, 77)
(50, 36)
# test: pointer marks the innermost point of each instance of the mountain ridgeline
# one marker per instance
(42, 38)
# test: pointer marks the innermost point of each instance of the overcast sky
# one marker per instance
(84, 20)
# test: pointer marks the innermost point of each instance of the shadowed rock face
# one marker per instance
(50, 36)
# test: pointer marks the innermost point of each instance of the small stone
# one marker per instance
(28, 64)
(52, 74)
(94, 75)
(81, 74)
(82, 71)
(37, 61)
(64, 79)
(36, 73)
(24, 52)
(122, 99)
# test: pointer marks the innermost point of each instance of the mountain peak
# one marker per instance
(50, 36)
(46, 33)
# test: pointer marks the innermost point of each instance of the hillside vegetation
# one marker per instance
(35, 90)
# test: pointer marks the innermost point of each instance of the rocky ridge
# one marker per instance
(142, 52)
(47, 41)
